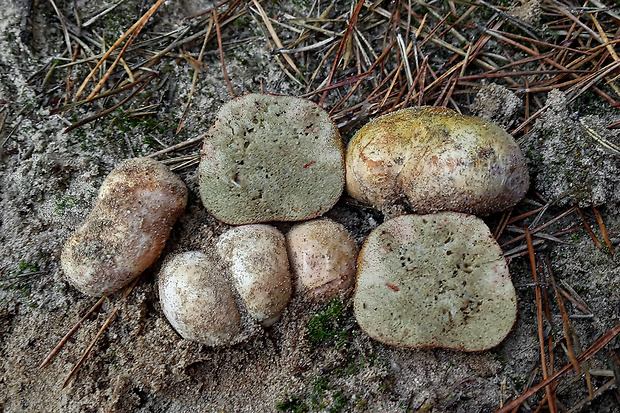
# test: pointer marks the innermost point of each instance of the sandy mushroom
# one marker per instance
(435, 280)
(197, 299)
(270, 158)
(322, 254)
(127, 229)
(258, 263)
(434, 159)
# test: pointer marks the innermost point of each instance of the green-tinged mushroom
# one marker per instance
(270, 158)
(436, 280)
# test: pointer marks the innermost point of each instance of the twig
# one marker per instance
(219, 43)
(591, 351)
(100, 332)
(64, 340)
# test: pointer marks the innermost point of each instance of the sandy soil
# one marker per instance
(48, 181)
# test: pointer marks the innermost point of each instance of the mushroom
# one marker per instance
(138, 203)
(257, 260)
(436, 280)
(434, 159)
(270, 158)
(197, 299)
(322, 254)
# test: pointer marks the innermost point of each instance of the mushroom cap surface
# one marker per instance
(434, 159)
(323, 256)
(436, 280)
(137, 205)
(197, 300)
(271, 158)
(258, 263)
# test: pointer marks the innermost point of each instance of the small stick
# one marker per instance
(219, 43)
(64, 340)
(195, 77)
(601, 225)
(112, 109)
(591, 351)
(566, 324)
(111, 49)
(100, 333)
(543, 226)
(539, 312)
(589, 230)
(342, 47)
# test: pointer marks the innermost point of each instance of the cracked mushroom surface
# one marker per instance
(271, 158)
(434, 159)
(436, 280)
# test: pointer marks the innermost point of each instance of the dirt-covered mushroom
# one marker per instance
(137, 205)
(258, 263)
(434, 159)
(322, 254)
(271, 158)
(197, 299)
(436, 280)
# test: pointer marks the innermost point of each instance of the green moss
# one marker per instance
(63, 203)
(292, 404)
(340, 402)
(326, 324)
(319, 386)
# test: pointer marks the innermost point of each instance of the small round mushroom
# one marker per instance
(197, 299)
(257, 260)
(271, 158)
(138, 203)
(436, 280)
(434, 159)
(322, 254)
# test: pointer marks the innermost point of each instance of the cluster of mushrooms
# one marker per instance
(433, 280)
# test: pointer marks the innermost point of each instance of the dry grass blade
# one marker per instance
(177, 146)
(197, 70)
(274, 35)
(112, 109)
(342, 47)
(591, 351)
(610, 384)
(114, 46)
(100, 332)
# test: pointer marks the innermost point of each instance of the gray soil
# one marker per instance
(315, 358)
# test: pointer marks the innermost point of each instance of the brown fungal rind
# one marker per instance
(271, 158)
(257, 261)
(435, 280)
(323, 256)
(137, 205)
(434, 159)
(197, 299)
